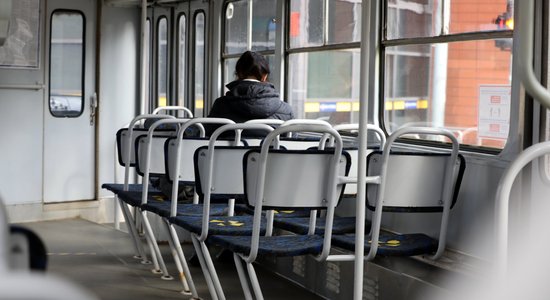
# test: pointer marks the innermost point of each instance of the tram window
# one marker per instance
(458, 82)
(236, 27)
(344, 21)
(412, 20)
(306, 23)
(199, 64)
(162, 62)
(229, 69)
(249, 25)
(147, 54)
(66, 64)
(324, 85)
(419, 18)
(263, 25)
(182, 34)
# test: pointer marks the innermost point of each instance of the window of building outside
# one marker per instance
(449, 66)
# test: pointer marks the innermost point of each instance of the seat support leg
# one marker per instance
(242, 277)
(179, 257)
(254, 281)
(153, 243)
(212, 270)
(140, 253)
(204, 268)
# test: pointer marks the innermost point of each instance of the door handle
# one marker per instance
(93, 108)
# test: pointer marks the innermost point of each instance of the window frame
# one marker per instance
(326, 47)
(225, 56)
(444, 37)
(205, 54)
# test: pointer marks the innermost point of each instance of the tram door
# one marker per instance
(191, 55)
(71, 101)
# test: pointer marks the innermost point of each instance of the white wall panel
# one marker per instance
(119, 92)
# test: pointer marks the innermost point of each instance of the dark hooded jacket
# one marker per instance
(248, 100)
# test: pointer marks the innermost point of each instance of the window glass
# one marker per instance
(263, 24)
(182, 52)
(344, 21)
(236, 27)
(148, 46)
(324, 85)
(199, 64)
(67, 64)
(306, 23)
(162, 62)
(407, 19)
(462, 86)
(229, 71)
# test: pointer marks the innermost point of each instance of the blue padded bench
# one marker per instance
(391, 244)
(410, 182)
(286, 180)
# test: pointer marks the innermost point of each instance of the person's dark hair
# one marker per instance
(251, 64)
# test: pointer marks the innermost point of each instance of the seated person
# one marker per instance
(250, 96)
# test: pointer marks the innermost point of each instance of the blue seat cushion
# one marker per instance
(222, 225)
(163, 208)
(286, 245)
(133, 198)
(245, 209)
(341, 225)
(391, 244)
(119, 187)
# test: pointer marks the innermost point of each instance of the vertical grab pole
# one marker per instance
(362, 168)
(525, 34)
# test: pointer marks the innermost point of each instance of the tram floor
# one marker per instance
(100, 259)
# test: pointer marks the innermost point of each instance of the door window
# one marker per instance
(66, 64)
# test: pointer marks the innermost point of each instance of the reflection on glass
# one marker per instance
(236, 27)
(162, 62)
(182, 34)
(452, 86)
(344, 21)
(67, 64)
(199, 65)
(306, 23)
(325, 85)
(263, 24)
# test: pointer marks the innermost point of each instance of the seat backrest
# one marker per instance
(156, 163)
(227, 172)
(294, 178)
(298, 143)
(414, 182)
(420, 177)
(122, 137)
(188, 148)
